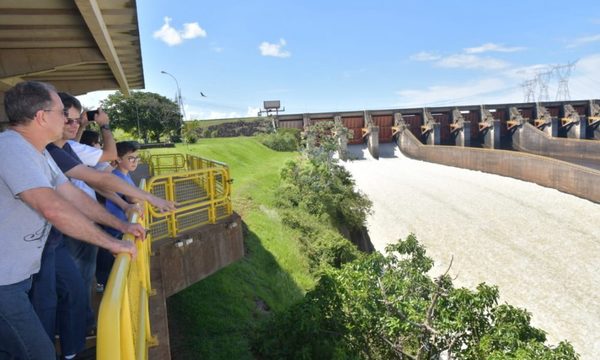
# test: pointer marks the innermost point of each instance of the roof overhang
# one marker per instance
(77, 45)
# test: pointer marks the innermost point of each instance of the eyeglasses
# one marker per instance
(133, 158)
(65, 112)
(71, 121)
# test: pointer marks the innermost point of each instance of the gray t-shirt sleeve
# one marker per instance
(25, 168)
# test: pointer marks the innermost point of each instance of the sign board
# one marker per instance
(272, 104)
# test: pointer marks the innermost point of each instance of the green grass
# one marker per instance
(215, 318)
(206, 123)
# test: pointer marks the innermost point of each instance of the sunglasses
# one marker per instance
(71, 121)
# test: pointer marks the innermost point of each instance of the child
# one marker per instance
(127, 162)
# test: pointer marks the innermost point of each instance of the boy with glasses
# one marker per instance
(128, 161)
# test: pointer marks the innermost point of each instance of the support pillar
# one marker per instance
(430, 129)
(463, 136)
(578, 130)
(373, 141)
(342, 138)
(460, 129)
(306, 120)
(434, 136)
(575, 125)
(491, 135)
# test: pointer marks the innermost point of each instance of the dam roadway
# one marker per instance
(541, 247)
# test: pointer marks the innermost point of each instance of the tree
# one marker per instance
(155, 114)
(388, 307)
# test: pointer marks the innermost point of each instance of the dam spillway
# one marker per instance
(539, 245)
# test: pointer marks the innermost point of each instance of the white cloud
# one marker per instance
(584, 81)
(471, 62)
(172, 36)
(492, 47)
(192, 30)
(584, 40)
(488, 90)
(424, 56)
(505, 86)
(268, 49)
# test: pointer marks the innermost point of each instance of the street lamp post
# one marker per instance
(179, 100)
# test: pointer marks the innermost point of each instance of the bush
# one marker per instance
(282, 140)
(191, 137)
(388, 307)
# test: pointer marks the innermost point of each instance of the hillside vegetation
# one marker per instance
(214, 318)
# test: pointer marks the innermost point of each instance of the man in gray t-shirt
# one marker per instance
(20, 255)
(34, 192)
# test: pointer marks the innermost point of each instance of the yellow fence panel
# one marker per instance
(202, 190)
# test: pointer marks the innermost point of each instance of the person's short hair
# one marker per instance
(126, 147)
(70, 101)
(90, 137)
(24, 100)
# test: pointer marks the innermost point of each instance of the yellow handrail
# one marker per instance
(123, 318)
(202, 188)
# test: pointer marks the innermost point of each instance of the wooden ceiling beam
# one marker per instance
(90, 11)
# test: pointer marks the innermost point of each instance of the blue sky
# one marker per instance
(322, 56)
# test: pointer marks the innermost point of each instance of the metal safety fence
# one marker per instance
(202, 190)
(123, 318)
(202, 197)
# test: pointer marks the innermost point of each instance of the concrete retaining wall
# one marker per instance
(529, 139)
(184, 262)
(572, 179)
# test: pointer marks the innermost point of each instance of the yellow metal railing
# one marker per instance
(203, 197)
(174, 163)
(202, 190)
(123, 318)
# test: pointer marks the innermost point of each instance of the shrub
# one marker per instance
(282, 140)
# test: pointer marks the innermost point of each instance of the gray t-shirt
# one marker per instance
(23, 231)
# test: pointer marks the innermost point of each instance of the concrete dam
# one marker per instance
(488, 188)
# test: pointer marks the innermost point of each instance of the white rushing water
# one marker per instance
(541, 247)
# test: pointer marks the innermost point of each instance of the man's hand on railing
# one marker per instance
(120, 246)
(131, 209)
(136, 230)
(162, 204)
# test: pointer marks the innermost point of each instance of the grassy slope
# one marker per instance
(213, 319)
(207, 123)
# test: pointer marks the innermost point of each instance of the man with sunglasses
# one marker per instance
(35, 195)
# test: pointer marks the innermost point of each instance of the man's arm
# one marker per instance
(96, 212)
(109, 149)
(127, 208)
(109, 182)
(66, 218)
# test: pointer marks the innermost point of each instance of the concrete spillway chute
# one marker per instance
(545, 121)
(460, 129)
(489, 127)
(574, 124)
(594, 119)
(430, 130)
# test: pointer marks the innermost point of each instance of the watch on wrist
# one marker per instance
(104, 127)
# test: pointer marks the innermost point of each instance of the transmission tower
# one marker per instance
(542, 79)
(563, 72)
(529, 90)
